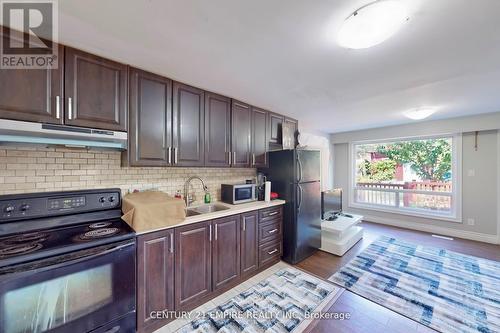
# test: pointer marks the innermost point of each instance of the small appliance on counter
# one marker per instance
(260, 188)
(72, 253)
(238, 193)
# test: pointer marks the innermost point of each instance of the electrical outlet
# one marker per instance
(471, 221)
(471, 173)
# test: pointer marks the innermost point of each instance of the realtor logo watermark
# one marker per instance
(30, 41)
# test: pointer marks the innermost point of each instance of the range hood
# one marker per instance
(13, 131)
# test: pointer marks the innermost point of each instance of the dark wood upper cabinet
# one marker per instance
(193, 266)
(150, 119)
(226, 251)
(155, 278)
(32, 94)
(188, 125)
(249, 242)
(241, 118)
(260, 138)
(275, 127)
(95, 91)
(217, 130)
(290, 131)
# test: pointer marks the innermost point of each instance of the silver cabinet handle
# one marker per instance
(216, 231)
(272, 252)
(273, 231)
(273, 213)
(172, 242)
(70, 108)
(210, 233)
(169, 155)
(175, 154)
(244, 223)
(229, 157)
(234, 157)
(253, 159)
(58, 107)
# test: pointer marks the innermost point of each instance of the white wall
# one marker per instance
(480, 193)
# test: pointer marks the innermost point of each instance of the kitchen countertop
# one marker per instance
(233, 210)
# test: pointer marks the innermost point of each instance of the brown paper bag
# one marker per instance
(151, 210)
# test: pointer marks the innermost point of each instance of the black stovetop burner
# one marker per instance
(61, 240)
(61, 222)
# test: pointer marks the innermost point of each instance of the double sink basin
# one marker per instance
(205, 209)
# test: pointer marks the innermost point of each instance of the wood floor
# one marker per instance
(370, 317)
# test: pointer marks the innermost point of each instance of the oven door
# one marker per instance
(76, 292)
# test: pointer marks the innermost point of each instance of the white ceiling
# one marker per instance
(279, 55)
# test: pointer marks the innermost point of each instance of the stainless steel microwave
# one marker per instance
(236, 194)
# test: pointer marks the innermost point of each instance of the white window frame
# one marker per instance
(456, 194)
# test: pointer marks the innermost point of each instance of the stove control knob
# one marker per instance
(111, 199)
(24, 207)
(102, 199)
(9, 209)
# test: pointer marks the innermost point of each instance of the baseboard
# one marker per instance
(471, 235)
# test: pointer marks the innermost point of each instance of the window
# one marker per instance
(417, 176)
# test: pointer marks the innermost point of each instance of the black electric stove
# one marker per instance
(75, 245)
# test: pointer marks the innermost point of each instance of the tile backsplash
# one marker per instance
(40, 169)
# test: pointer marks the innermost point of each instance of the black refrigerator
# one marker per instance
(295, 176)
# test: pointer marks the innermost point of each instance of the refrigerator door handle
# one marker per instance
(299, 169)
(299, 195)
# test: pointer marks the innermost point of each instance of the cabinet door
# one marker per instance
(150, 119)
(259, 138)
(188, 125)
(249, 242)
(275, 127)
(193, 269)
(95, 91)
(155, 278)
(290, 138)
(226, 251)
(241, 117)
(32, 94)
(217, 130)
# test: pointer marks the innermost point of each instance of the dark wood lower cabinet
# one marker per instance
(155, 278)
(226, 251)
(182, 268)
(249, 243)
(193, 264)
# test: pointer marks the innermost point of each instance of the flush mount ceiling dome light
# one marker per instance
(372, 24)
(420, 113)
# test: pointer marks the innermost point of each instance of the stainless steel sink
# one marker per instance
(205, 209)
(190, 212)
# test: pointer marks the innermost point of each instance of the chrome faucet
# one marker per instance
(187, 197)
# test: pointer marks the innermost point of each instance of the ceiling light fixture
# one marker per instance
(420, 113)
(372, 24)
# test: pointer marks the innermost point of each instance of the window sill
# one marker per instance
(448, 218)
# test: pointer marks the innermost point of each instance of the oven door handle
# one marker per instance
(66, 259)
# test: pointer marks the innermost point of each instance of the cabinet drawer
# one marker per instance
(270, 213)
(269, 231)
(269, 253)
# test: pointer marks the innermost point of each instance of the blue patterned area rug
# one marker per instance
(447, 291)
(279, 303)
